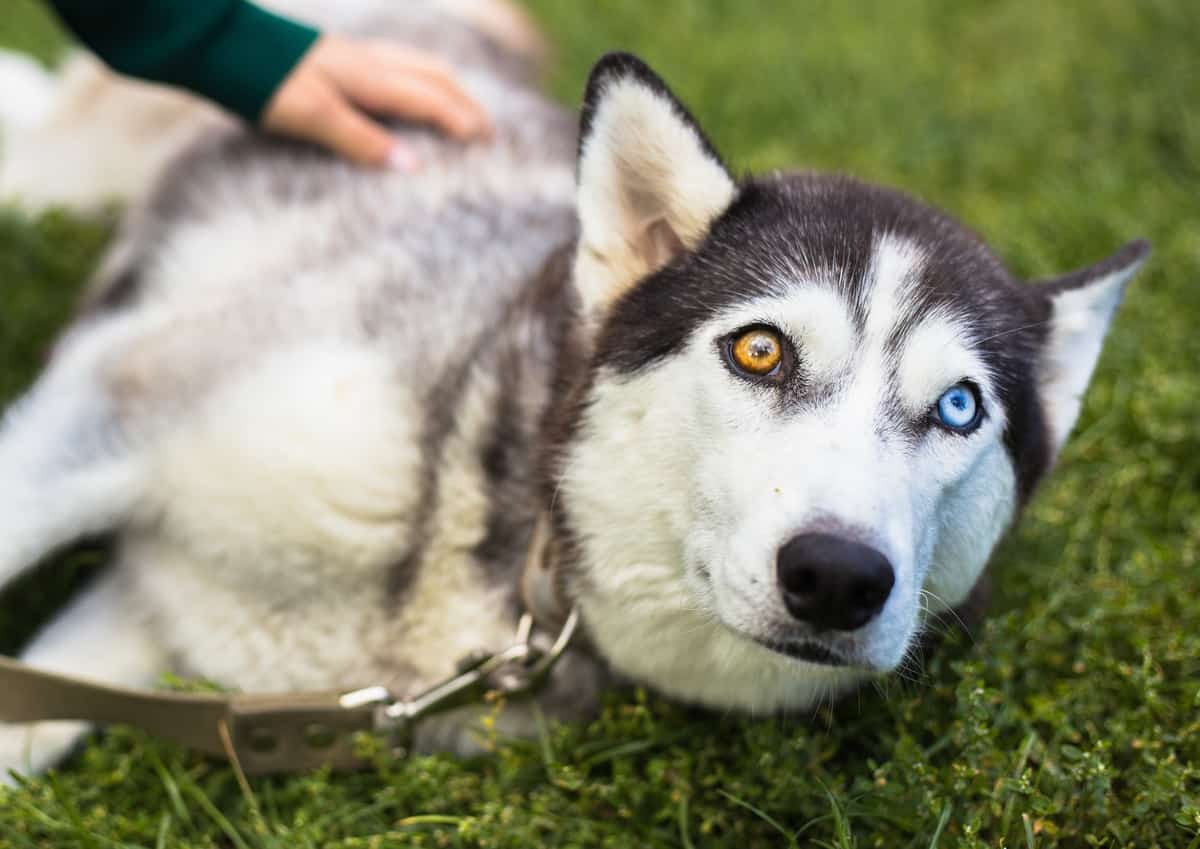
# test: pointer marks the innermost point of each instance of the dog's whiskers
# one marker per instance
(925, 595)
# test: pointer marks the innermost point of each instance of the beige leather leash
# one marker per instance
(296, 732)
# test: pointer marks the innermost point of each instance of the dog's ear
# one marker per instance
(1081, 306)
(650, 182)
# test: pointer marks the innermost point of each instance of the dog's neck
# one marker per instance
(552, 301)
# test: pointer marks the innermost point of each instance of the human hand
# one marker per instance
(326, 98)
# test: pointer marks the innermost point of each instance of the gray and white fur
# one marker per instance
(321, 408)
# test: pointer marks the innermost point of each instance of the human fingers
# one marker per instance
(349, 132)
(408, 84)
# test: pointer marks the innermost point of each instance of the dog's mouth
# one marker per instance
(807, 651)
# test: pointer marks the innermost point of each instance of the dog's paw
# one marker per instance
(32, 749)
(474, 730)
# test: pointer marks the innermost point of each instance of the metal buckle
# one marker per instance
(515, 670)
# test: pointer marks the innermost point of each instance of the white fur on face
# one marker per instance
(714, 474)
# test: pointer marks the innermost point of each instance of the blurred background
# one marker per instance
(1059, 131)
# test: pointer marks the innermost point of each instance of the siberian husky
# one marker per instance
(777, 422)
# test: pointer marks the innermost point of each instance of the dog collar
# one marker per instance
(541, 586)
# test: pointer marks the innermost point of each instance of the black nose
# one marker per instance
(833, 583)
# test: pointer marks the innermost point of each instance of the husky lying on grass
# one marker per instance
(776, 423)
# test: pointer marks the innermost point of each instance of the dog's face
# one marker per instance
(814, 407)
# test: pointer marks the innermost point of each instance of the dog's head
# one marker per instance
(813, 407)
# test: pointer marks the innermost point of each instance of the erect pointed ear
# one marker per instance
(650, 182)
(1082, 304)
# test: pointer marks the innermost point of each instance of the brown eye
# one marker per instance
(758, 351)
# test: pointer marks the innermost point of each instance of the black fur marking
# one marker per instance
(516, 492)
(825, 227)
(441, 409)
(570, 388)
(545, 307)
(509, 524)
(121, 291)
(509, 517)
(1131, 254)
(1027, 436)
(617, 66)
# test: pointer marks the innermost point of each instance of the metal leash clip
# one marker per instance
(515, 670)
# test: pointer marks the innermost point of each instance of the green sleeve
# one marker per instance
(230, 51)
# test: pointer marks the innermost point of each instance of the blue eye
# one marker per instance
(959, 408)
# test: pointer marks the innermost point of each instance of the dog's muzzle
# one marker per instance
(833, 583)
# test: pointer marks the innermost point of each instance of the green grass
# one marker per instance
(1056, 129)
